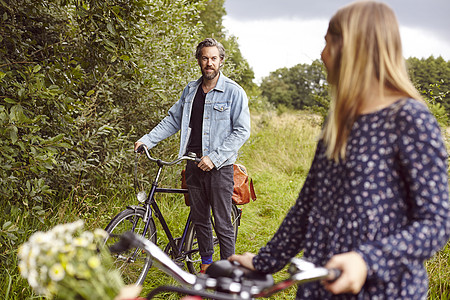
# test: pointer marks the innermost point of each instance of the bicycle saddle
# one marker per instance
(233, 272)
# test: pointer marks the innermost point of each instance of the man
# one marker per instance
(214, 120)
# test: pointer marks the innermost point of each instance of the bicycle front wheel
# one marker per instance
(193, 259)
(134, 263)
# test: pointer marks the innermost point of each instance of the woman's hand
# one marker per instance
(245, 260)
(353, 276)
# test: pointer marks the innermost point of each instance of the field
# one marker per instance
(278, 156)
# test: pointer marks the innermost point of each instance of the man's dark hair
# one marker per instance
(210, 42)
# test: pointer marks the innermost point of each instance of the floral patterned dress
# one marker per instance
(388, 201)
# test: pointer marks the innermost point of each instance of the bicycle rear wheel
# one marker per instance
(134, 263)
(193, 259)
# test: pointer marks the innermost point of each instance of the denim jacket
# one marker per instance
(226, 121)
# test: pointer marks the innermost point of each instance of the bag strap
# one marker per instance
(252, 190)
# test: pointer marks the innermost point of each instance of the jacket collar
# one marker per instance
(220, 85)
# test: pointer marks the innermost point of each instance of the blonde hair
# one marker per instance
(365, 40)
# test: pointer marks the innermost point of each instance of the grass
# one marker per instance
(277, 156)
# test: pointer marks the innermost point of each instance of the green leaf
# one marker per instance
(16, 114)
(13, 133)
(90, 93)
(65, 145)
(9, 100)
(6, 225)
(110, 28)
(109, 43)
(125, 57)
(36, 68)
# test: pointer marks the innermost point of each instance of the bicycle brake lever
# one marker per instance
(303, 271)
(300, 265)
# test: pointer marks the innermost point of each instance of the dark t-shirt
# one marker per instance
(196, 122)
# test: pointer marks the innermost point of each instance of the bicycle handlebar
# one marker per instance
(190, 156)
(228, 280)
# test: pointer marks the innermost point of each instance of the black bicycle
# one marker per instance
(224, 280)
(134, 264)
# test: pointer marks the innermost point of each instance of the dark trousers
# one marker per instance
(211, 191)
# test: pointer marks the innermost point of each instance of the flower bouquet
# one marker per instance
(70, 263)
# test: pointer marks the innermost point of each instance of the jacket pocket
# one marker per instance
(222, 111)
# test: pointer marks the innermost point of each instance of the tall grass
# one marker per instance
(278, 156)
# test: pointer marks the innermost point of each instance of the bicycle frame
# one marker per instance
(141, 217)
(151, 202)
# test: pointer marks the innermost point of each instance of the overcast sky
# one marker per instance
(282, 33)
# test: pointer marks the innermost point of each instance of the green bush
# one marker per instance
(80, 81)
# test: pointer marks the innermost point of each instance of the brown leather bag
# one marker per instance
(243, 186)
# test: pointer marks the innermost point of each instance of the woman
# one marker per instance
(375, 201)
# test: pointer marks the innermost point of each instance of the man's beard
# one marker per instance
(210, 76)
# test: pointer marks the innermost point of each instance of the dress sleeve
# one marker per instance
(422, 160)
(288, 241)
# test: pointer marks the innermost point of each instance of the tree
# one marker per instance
(298, 87)
(432, 78)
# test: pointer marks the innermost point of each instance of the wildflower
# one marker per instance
(100, 234)
(70, 269)
(93, 262)
(56, 272)
(59, 264)
(80, 242)
(23, 269)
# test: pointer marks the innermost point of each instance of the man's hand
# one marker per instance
(245, 260)
(137, 144)
(206, 164)
(353, 276)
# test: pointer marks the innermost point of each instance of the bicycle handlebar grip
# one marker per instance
(194, 156)
(140, 149)
(333, 274)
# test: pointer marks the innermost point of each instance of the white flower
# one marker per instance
(56, 272)
(70, 269)
(67, 248)
(59, 230)
(94, 262)
(33, 255)
(100, 233)
(43, 272)
(23, 269)
(32, 278)
(88, 236)
(72, 227)
(64, 258)
(23, 251)
(80, 242)
(42, 238)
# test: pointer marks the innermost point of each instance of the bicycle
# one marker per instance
(134, 265)
(224, 280)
